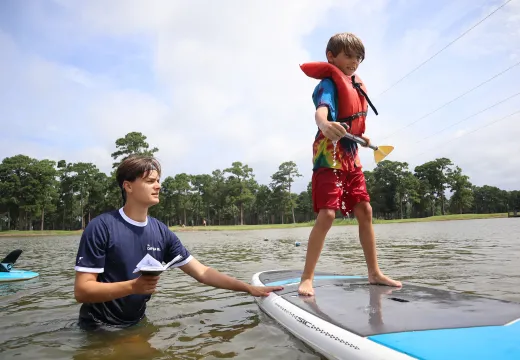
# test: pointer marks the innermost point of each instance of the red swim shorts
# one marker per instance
(326, 194)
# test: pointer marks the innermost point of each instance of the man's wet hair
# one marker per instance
(135, 166)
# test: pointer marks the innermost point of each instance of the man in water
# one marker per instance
(113, 243)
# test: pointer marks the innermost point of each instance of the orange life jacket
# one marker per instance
(352, 98)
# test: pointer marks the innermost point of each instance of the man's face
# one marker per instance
(145, 190)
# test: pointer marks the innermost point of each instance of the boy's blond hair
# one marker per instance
(346, 42)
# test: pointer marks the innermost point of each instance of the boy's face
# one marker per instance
(144, 190)
(346, 62)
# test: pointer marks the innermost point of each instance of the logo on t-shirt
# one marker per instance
(148, 247)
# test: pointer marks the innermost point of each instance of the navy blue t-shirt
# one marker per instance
(111, 246)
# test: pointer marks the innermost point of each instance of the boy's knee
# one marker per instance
(326, 217)
(363, 211)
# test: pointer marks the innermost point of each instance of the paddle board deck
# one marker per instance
(17, 275)
(350, 319)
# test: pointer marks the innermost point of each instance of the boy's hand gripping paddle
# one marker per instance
(380, 152)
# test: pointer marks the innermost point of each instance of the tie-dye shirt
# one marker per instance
(344, 155)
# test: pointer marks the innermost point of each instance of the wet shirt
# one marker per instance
(344, 154)
(111, 246)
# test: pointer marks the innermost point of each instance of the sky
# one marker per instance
(210, 83)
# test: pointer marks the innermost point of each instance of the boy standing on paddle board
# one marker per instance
(338, 181)
(113, 244)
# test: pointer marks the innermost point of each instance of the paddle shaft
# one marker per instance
(360, 141)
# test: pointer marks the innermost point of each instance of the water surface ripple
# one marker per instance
(188, 320)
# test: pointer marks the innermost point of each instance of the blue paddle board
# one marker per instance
(348, 318)
(7, 271)
(17, 275)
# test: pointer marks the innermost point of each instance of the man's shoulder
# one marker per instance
(104, 219)
(158, 225)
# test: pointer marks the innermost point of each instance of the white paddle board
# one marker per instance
(348, 318)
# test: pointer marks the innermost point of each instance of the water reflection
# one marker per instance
(374, 309)
(129, 343)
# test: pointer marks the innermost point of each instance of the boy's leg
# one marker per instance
(314, 247)
(357, 198)
(325, 198)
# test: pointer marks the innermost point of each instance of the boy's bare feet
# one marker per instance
(306, 288)
(380, 279)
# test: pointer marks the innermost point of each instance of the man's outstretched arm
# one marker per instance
(212, 277)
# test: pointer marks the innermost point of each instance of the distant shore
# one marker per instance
(337, 222)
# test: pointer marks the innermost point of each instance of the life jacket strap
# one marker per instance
(353, 116)
(358, 87)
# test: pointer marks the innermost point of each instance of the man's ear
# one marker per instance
(127, 186)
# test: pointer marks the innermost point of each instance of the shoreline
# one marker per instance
(337, 222)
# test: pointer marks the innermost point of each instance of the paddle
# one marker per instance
(380, 152)
(7, 263)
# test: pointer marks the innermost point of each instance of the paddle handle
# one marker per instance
(360, 140)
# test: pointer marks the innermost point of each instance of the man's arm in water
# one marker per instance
(212, 277)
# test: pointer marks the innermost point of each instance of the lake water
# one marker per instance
(188, 320)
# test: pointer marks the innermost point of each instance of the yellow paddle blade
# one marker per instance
(382, 152)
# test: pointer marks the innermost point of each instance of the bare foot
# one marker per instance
(305, 288)
(380, 279)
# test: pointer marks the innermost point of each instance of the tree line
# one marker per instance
(58, 195)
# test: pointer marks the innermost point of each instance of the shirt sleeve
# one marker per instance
(325, 95)
(92, 248)
(174, 248)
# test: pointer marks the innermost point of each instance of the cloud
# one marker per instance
(210, 84)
